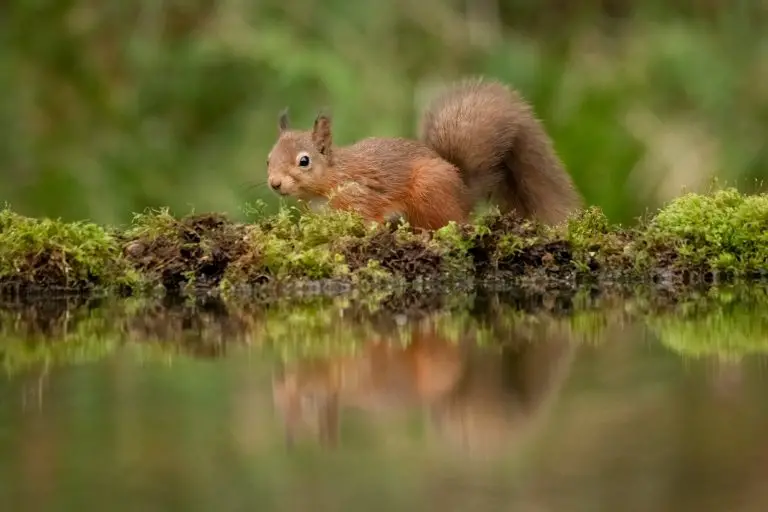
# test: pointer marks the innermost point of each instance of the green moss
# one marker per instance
(307, 246)
(725, 231)
(373, 275)
(151, 225)
(42, 253)
(454, 243)
(722, 234)
(293, 246)
(178, 254)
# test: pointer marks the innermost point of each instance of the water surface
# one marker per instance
(329, 405)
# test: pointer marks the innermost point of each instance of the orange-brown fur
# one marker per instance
(490, 132)
(415, 182)
(480, 141)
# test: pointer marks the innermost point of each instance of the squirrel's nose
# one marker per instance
(275, 183)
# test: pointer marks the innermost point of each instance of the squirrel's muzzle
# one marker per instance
(275, 184)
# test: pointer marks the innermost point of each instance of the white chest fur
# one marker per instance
(317, 204)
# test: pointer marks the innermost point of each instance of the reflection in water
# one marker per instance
(476, 397)
(136, 406)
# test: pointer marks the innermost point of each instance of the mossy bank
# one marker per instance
(696, 238)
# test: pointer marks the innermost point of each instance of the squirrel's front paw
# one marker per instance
(394, 220)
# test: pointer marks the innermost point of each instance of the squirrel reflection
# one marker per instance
(477, 397)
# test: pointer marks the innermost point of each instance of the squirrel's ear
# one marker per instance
(321, 133)
(282, 122)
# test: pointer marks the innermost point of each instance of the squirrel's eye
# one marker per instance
(304, 161)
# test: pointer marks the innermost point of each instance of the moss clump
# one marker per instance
(714, 236)
(400, 255)
(596, 244)
(177, 253)
(507, 246)
(289, 246)
(720, 232)
(47, 254)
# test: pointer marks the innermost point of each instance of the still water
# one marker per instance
(330, 405)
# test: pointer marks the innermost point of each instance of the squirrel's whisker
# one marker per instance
(250, 186)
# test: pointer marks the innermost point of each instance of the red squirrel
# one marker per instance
(479, 141)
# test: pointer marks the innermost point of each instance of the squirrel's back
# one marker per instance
(492, 135)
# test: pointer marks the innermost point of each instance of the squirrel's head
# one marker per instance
(298, 163)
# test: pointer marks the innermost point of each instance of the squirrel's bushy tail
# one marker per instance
(491, 134)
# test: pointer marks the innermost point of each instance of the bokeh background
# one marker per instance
(109, 107)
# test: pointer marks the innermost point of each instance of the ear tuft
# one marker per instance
(321, 133)
(282, 122)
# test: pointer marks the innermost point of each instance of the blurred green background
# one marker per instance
(109, 107)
